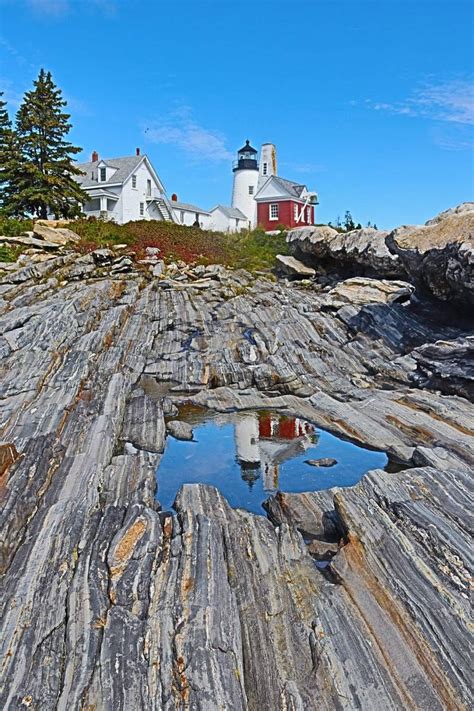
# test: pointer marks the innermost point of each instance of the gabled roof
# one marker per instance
(188, 206)
(230, 212)
(123, 168)
(287, 187)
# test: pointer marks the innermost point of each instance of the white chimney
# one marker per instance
(268, 163)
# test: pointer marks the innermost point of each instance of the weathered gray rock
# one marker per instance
(55, 235)
(158, 268)
(180, 430)
(109, 603)
(293, 267)
(362, 290)
(323, 462)
(440, 254)
(363, 251)
(447, 366)
(31, 242)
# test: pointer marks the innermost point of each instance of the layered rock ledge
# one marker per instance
(110, 603)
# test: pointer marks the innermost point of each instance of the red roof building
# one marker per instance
(281, 202)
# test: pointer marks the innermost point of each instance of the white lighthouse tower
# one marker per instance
(245, 182)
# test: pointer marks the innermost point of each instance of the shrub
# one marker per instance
(9, 253)
(12, 227)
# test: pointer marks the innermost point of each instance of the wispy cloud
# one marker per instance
(14, 53)
(54, 8)
(450, 101)
(11, 94)
(304, 168)
(60, 8)
(180, 129)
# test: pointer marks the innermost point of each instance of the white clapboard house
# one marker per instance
(124, 189)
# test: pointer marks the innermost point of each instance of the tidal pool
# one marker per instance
(250, 455)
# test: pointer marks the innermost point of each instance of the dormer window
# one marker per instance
(103, 175)
(134, 181)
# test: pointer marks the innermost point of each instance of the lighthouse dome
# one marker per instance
(246, 158)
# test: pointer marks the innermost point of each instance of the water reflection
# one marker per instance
(249, 455)
(263, 441)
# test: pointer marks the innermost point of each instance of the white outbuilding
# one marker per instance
(227, 219)
(190, 215)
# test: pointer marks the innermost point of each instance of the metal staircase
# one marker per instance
(165, 210)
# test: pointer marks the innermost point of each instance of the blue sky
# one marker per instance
(370, 102)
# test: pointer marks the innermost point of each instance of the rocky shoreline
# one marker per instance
(110, 603)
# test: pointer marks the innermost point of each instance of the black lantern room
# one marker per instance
(246, 158)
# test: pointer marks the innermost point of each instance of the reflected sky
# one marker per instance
(248, 456)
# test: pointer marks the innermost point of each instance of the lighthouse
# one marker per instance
(245, 182)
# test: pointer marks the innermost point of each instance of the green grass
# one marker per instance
(11, 227)
(9, 253)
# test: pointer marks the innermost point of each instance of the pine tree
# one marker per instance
(7, 155)
(45, 182)
(349, 224)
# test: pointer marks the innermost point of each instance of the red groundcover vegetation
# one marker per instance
(250, 250)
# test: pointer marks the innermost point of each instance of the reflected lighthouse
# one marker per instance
(263, 441)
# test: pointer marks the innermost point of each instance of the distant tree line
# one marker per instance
(348, 224)
(36, 160)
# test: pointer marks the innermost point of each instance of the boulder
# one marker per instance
(55, 235)
(363, 249)
(158, 268)
(447, 366)
(440, 254)
(30, 242)
(102, 256)
(54, 223)
(324, 462)
(362, 290)
(293, 267)
(180, 430)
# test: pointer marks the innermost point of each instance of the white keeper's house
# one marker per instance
(124, 189)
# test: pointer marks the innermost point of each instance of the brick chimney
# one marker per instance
(94, 156)
(138, 151)
(174, 198)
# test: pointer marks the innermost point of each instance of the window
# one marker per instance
(251, 187)
(148, 188)
(308, 215)
(182, 217)
(296, 212)
(103, 175)
(265, 169)
(274, 211)
(142, 209)
(134, 181)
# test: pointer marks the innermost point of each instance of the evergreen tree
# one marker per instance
(44, 182)
(349, 223)
(7, 154)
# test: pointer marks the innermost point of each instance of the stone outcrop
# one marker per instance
(362, 290)
(363, 251)
(294, 268)
(56, 235)
(110, 603)
(387, 524)
(440, 254)
(447, 366)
